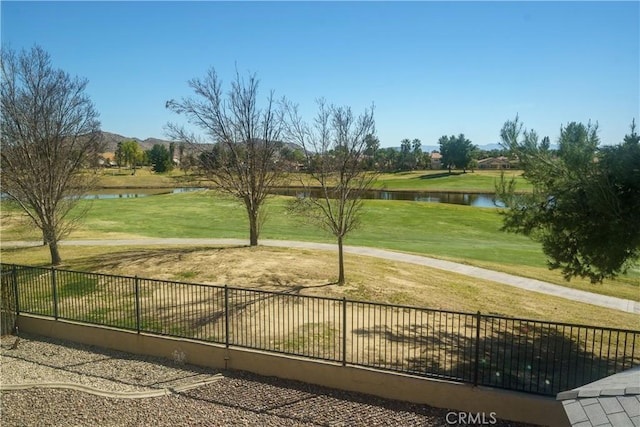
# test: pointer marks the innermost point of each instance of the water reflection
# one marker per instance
(485, 200)
(137, 192)
(469, 199)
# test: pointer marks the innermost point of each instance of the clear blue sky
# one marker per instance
(431, 68)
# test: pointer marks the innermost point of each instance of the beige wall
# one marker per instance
(443, 394)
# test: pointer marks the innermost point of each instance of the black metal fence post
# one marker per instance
(344, 331)
(476, 362)
(14, 283)
(137, 289)
(55, 293)
(226, 316)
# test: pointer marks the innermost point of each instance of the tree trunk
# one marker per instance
(55, 253)
(253, 228)
(340, 262)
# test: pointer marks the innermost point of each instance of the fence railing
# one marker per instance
(516, 354)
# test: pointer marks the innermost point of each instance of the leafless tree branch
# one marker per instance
(335, 147)
(50, 130)
(242, 161)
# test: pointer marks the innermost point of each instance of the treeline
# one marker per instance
(456, 152)
(161, 158)
(129, 153)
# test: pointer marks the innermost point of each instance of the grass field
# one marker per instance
(460, 233)
(144, 178)
(480, 181)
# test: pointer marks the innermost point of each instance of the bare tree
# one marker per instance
(335, 146)
(49, 131)
(242, 161)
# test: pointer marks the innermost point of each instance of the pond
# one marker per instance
(470, 199)
(483, 200)
(130, 193)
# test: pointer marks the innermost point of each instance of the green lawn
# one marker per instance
(479, 181)
(144, 178)
(482, 181)
(460, 233)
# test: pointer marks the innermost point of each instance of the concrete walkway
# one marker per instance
(534, 285)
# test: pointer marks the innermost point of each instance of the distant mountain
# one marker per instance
(430, 148)
(112, 139)
(489, 147)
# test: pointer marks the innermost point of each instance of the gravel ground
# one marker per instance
(230, 398)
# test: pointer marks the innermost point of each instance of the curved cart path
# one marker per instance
(534, 285)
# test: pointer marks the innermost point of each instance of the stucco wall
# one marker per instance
(444, 394)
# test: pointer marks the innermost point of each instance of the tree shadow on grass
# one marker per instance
(200, 311)
(440, 175)
(297, 289)
(533, 357)
(168, 307)
(116, 260)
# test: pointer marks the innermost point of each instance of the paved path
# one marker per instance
(534, 285)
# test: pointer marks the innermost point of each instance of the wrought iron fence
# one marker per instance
(516, 354)
(8, 309)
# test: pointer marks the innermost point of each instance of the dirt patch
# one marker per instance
(313, 272)
(298, 271)
(276, 269)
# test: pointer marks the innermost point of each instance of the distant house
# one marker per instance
(501, 162)
(436, 160)
(107, 160)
